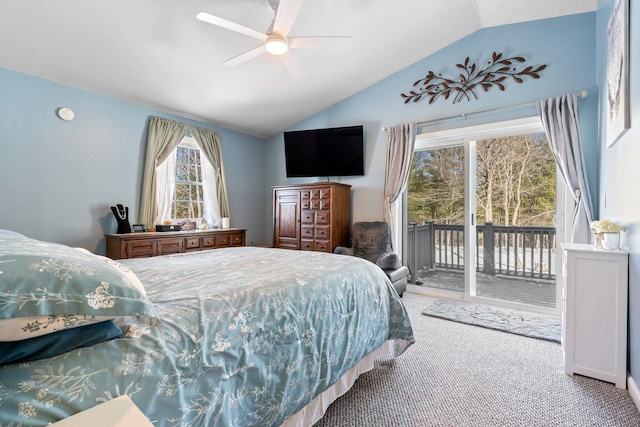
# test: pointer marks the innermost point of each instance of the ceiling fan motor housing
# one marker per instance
(276, 44)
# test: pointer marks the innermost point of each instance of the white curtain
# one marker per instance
(562, 125)
(209, 186)
(401, 140)
(165, 186)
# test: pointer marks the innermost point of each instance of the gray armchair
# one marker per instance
(372, 241)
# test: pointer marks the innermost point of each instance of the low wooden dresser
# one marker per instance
(141, 245)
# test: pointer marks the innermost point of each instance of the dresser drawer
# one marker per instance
(308, 217)
(237, 239)
(306, 245)
(140, 249)
(208, 242)
(192, 243)
(307, 231)
(223, 240)
(321, 232)
(315, 245)
(322, 217)
(170, 246)
(322, 246)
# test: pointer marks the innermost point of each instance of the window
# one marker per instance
(186, 186)
(188, 197)
(202, 191)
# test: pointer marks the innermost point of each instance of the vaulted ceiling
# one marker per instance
(157, 54)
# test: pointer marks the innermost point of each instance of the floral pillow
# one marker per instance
(47, 287)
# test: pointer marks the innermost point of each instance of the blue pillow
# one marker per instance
(58, 342)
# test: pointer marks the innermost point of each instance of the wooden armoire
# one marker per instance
(312, 217)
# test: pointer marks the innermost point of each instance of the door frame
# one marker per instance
(467, 137)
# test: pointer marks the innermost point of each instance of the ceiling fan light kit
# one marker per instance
(276, 45)
(277, 41)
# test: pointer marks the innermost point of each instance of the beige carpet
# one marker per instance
(462, 375)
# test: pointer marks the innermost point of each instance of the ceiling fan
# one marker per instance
(276, 40)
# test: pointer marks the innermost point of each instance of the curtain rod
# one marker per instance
(581, 94)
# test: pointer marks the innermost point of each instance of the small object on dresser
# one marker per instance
(139, 228)
(187, 225)
(122, 217)
(167, 227)
(606, 234)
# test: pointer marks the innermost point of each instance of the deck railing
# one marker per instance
(524, 251)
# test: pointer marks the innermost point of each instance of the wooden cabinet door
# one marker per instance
(286, 232)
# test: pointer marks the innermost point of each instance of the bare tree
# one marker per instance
(188, 195)
(515, 178)
(436, 186)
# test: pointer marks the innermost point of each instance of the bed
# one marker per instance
(242, 336)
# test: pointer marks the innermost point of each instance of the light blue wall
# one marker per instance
(58, 179)
(566, 45)
(619, 170)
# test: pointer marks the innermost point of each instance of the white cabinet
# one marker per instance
(594, 335)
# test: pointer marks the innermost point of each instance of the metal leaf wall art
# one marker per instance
(471, 79)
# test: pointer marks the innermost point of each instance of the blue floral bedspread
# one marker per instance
(248, 337)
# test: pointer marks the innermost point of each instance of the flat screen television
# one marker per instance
(325, 152)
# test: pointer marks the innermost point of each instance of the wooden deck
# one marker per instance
(528, 291)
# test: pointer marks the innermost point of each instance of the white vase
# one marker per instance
(611, 241)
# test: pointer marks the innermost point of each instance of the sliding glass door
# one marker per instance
(481, 211)
(436, 215)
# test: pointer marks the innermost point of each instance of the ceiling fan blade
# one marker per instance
(244, 57)
(293, 65)
(286, 15)
(329, 43)
(220, 22)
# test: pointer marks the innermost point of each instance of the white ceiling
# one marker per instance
(155, 53)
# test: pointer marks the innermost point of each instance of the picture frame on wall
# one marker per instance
(617, 72)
